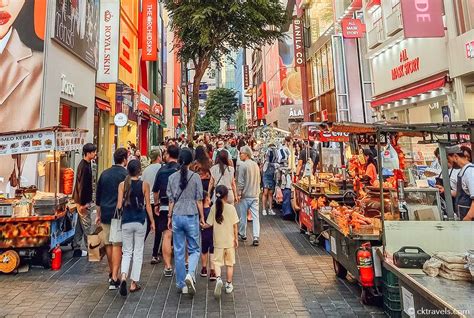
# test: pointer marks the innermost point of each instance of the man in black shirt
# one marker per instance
(162, 203)
(82, 196)
(106, 201)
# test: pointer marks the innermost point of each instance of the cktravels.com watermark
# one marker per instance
(436, 312)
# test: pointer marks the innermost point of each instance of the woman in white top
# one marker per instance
(222, 173)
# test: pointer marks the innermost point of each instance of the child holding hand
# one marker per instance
(224, 219)
(207, 245)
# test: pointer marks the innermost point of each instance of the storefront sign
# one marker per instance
(327, 136)
(107, 68)
(352, 28)
(298, 39)
(157, 108)
(67, 88)
(406, 67)
(410, 61)
(76, 28)
(120, 119)
(295, 112)
(149, 30)
(144, 104)
(246, 76)
(27, 143)
(423, 18)
(70, 140)
(470, 50)
(176, 112)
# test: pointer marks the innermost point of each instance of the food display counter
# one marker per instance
(33, 222)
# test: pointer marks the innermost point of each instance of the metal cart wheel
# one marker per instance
(9, 261)
(340, 270)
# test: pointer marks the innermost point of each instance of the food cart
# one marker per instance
(428, 254)
(34, 222)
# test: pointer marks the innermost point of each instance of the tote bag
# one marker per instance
(116, 227)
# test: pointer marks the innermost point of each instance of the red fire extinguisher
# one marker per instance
(364, 263)
(57, 255)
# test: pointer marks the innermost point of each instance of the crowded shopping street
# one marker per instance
(270, 158)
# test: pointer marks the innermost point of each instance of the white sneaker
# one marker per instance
(190, 284)
(84, 254)
(270, 212)
(264, 212)
(218, 289)
(229, 288)
(184, 290)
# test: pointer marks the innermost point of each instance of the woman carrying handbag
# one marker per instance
(134, 200)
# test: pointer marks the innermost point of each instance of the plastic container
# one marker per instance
(391, 292)
(389, 278)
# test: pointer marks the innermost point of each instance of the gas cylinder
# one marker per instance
(56, 258)
(364, 263)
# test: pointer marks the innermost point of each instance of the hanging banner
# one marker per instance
(352, 28)
(423, 18)
(298, 42)
(149, 30)
(109, 31)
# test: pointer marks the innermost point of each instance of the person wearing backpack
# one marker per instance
(162, 203)
(269, 167)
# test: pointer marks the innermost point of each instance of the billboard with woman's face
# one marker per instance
(22, 24)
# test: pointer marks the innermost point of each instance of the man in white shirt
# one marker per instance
(465, 184)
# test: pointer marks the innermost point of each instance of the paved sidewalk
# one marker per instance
(284, 277)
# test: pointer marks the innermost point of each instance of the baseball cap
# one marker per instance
(453, 150)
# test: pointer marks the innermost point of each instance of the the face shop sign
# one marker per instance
(67, 88)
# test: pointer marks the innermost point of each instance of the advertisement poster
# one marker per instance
(22, 78)
(76, 28)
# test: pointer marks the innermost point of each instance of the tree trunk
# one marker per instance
(200, 69)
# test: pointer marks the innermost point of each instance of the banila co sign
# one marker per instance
(298, 39)
(423, 18)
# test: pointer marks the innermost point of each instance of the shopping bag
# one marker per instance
(95, 246)
(278, 195)
(116, 228)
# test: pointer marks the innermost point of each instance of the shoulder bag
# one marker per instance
(215, 186)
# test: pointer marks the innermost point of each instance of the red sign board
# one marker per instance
(157, 108)
(144, 104)
(155, 120)
(423, 18)
(352, 28)
(149, 32)
(298, 39)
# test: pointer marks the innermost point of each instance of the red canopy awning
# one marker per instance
(410, 91)
(372, 3)
(102, 105)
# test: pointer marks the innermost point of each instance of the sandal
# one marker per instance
(137, 288)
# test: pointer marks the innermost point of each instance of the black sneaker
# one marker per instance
(77, 253)
(242, 237)
(168, 272)
(123, 288)
(114, 285)
(255, 242)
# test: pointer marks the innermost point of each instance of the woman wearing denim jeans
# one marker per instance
(185, 217)
(134, 198)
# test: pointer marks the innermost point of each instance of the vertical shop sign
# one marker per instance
(423, 18)
(298, 42)
(109, 32)
(149, 30)
(246, 76)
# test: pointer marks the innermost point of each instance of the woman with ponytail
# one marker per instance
(134, 200)
(185, 215)
(224, 219)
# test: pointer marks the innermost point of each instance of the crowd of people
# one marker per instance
(196, 197)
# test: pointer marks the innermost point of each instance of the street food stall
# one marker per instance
(428, 252)
(34, 222)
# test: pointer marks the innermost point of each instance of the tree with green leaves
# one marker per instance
(222, 103)
(208, 30)
(208, 123)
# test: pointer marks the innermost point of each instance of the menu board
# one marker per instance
(69, 141)
(29, 142)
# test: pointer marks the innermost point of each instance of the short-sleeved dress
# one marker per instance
(226, 180)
